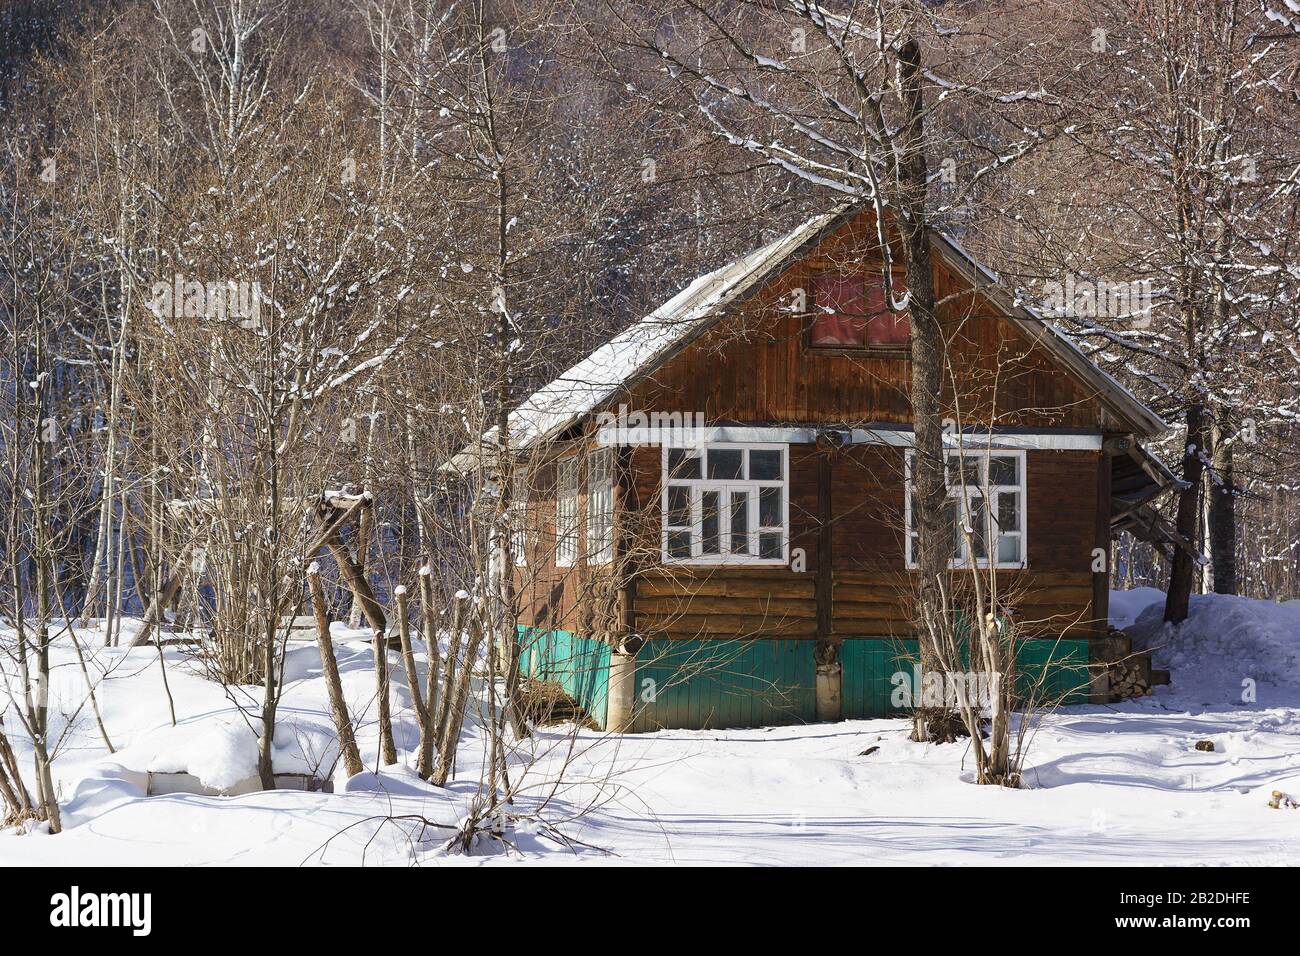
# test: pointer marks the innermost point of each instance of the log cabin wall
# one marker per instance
(871, 586)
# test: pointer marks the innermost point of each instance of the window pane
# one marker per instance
(568, 476)
(1002, 471)
(679, 505)
(979, 527)
(726, 462)
(1009, 549)
(769, 544)
(679, 544)
(709, 541)
(839, 310)
(566, 512)
(950, 521)
(963, 469)
(1009, 512)
(769, 507)
(765, 465)
(600, 525)
(683, 464)
(600, 506)
(740, 523)
(884, 326)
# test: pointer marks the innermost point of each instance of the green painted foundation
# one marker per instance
(579, 664)
(703, 684)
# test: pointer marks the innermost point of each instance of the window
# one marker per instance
(566, 511)
(986, 493)
(851, 311)
(726, 504)
(518, 519)
(600, 506)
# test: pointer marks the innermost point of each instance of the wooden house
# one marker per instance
(714, 523)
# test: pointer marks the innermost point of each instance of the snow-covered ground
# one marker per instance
(1117, 784)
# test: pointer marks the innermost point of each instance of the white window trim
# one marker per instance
(567, 533)
(725, 485)
(984, 490)
(603, 490)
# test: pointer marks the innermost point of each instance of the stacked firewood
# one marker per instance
(1130, 677)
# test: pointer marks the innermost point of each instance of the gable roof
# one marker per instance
(649, 343)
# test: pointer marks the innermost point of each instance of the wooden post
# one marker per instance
(1101, 579)
(829, 702)
(620, 695)
(352, 764)
(1099, 683)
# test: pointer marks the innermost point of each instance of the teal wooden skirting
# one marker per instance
(712, 683)
(1053, 671)
(579, 664)
(1048, 672)
(868, 666)
(702, 684)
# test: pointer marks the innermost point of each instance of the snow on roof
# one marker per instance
(646, 344)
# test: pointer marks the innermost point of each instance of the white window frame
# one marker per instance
(518, 521)
(566, 511)
(983, 491)
(600, 506)
(725, 487)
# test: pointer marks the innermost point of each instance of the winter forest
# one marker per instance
(268, 268)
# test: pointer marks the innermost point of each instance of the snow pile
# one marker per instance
(1224, 642)
(222, 751)
(222, 755)
(1125, 606)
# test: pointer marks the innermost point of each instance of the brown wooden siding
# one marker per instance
(872, 587)
(756, 367)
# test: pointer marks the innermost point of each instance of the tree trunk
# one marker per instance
(460, 612)
(387, 748)
(1222, 493)
(458, 699)
(15, 791)
(428, 741)
(413, 675)
(1182, 573)
(360, 587)
(352, 764)
(153, 614)
(926, 340)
